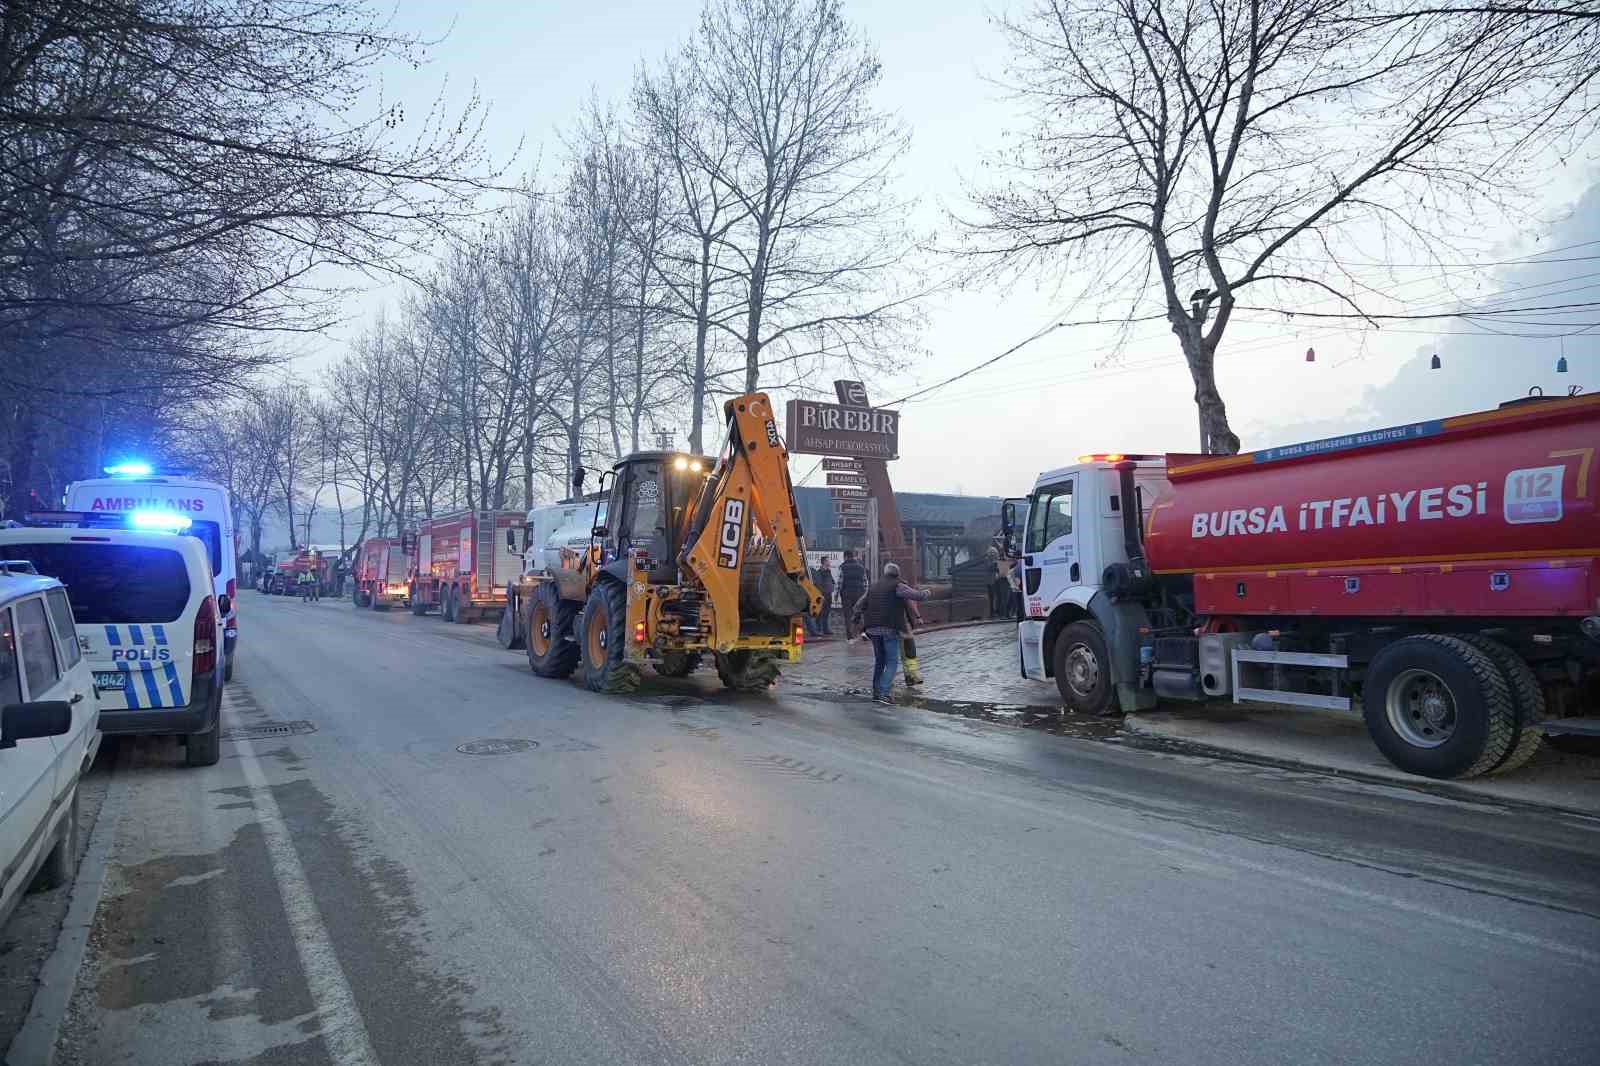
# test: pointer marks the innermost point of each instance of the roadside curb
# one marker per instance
(1135, 737)
(35, 1043)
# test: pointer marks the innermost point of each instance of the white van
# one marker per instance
(47, 732)
(149, 625)
(206, 504)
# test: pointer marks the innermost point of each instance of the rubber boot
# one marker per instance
(908, 659)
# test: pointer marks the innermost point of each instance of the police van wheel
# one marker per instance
(603, 638)
(552, 651)
(204, 749)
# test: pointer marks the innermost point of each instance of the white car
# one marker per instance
(149, 622)
(48, 736)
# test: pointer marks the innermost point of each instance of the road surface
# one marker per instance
(446, 860)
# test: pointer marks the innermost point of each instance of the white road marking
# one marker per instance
(343, 1029)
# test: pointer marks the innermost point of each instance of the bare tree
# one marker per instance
(693, 145)
(176, 171)
(820, 239)
(1210, 150)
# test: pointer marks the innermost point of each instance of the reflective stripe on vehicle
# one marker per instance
(129, 691)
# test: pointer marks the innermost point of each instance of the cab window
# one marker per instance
(1049, 516)
(36, 647)
(10, 669)
(66, 631)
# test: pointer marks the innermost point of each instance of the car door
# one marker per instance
(27, 774)
(82, 739)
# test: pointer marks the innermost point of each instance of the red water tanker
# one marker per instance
(1489, 513)
(1440, 579)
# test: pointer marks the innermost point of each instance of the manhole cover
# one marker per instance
(268, 730)
(497, 747)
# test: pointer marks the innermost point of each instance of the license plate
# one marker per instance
(110, 681)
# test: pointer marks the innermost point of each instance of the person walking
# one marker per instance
(852, 583)
(304, 581)
(999, 585)
(823, 578)
(883, 608)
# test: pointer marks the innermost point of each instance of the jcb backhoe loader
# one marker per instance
(693, 557)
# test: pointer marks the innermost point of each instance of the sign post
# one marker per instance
(857, 440)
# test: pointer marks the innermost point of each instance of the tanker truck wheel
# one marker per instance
(551, 650)
(1527, 700)
(678, 663)
(1439, 707)
(1082, 666)
(603, 638)
(743, 672)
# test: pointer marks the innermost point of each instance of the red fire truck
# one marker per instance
(462, 562)
(285, 577)
(1441, 579)
(382, 574)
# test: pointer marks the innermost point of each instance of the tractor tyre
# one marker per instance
(678, 663)
(603, 640)
(551, 641)
(743, 672)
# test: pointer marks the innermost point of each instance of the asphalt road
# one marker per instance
(686, 877)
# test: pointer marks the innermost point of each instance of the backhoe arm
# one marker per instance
(750, 485)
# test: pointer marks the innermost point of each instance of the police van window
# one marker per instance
(1049, 516)
(36, 647)
(66, 632)
(10, 672)
(110, 584)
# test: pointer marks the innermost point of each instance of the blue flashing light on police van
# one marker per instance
(130, 470)
(175, 523)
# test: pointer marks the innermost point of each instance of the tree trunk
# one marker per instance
(702, 326)
(1216, 436)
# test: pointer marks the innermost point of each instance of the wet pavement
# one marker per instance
(413, 851)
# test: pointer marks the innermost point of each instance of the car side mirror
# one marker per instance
(224, 605)
(42, 718)
(1008, 527)
(601, 531)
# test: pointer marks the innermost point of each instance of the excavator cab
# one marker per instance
(652, 497)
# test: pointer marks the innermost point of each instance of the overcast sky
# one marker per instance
(1072, 392)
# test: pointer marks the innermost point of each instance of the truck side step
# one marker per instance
(1575, 727)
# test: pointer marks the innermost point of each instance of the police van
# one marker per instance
(135, 488)
(149, 622)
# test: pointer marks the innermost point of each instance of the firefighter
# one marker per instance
(303, 579)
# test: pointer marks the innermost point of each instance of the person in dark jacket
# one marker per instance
(852, 583)
(883, 608)
(823, 578)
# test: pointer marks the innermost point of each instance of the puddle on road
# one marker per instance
(1054, 720)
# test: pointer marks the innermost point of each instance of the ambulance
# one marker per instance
(137, 487)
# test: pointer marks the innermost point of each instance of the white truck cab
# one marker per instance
(1077, 527)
